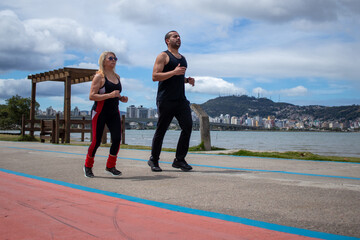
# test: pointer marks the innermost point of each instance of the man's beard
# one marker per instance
(175, 45)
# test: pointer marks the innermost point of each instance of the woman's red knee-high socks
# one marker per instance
(111, 161)
(89, 161)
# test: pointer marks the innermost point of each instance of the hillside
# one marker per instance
(263, 107)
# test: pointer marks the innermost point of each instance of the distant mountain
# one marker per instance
(263, 107)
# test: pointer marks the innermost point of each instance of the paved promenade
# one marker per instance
(44, 195)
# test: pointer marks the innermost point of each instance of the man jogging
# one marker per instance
(169, 71)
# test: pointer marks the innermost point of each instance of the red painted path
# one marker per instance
(34, 209)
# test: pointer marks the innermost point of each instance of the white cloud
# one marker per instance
(296, 91)
(274, 10)
(22, 87)
(137, 91)
(145, 12)
(290, 92)
(278, 11)
(258, 91)
(85, 65)
(44, 43)
(131, 84)
(11, 87)
(79, 101)
(57, 103)
(81, 89)
(335, 61)
(215, 86)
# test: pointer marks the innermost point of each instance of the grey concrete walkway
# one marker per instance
(318, 196)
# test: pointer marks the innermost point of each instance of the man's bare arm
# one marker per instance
(160, 62)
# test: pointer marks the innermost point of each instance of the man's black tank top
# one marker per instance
(172, 89)
(110, 104)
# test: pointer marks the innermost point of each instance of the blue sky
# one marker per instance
(304, 52)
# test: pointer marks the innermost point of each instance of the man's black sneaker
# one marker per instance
(154, 165)
(113, 171)
(88, 172)
(182, 164)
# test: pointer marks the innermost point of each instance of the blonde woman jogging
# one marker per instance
(105, 92)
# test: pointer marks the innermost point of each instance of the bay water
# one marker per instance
(323, 143)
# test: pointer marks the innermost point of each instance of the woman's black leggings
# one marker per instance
(113, 122)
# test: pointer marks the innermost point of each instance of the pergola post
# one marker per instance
(32, 106)
(67, 108)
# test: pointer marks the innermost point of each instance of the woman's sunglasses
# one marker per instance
(112, 58)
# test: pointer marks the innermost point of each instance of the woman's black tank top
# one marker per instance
(111, 104)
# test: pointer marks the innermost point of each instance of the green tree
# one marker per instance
(5, 121)
(17, 106)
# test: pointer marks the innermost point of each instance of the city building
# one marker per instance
(141, 112)
(131, 111)
(152, 113)
(50, 111)
(76, 112)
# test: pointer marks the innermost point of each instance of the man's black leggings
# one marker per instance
(167, 110)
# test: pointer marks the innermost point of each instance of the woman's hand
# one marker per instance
(123, 99)
(115, 94)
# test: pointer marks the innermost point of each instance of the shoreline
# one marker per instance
(18, 132)
(285, 154)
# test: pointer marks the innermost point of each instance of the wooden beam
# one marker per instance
(32, 106)
(67, 108)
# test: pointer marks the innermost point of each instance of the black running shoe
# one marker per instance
(113, 171)
(154, 165)
(88, 172)
(182, 164)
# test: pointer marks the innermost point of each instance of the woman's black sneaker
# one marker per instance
(88, 172)
(113, 171)
(182, 164)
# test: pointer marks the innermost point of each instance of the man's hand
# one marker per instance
(191, 81)
(179, 70)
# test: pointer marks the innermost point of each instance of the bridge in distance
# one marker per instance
(142, 123)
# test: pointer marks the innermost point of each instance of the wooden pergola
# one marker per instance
(67, 75)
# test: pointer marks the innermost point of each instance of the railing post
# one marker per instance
(42, 130)
(53, 131)
(82, 129)
(57, 128)
(123, 129)
(104, 136)
(23, 125)
(204, 126)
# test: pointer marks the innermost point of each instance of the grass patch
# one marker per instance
(15, 138)
(197, 148)
(295, 155)
(201, 147)
(7, 137)
(27, 138)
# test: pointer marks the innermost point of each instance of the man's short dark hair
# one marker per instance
(168, 35)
